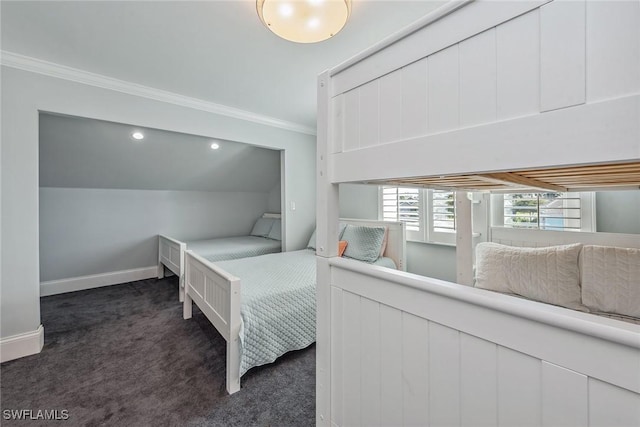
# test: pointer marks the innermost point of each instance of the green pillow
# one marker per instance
(364, 243)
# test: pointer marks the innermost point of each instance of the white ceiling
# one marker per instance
(217, 51)
(84, 153)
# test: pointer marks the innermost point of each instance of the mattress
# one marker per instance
(234, 247)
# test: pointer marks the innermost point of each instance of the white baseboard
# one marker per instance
(21, 345)
(72, 284)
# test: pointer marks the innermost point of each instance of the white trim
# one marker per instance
(21, 345)
(72, 284)
(34, 65)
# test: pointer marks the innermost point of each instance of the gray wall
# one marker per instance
(618, 211)
(361, 201)
(92, 231)
(25, 93)
(274, 202)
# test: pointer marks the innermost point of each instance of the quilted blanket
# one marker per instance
(278, 304)
(234, 247)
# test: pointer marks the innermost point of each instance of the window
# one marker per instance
(429, 215)
(545, 211)
(403, 204)
(442, 216)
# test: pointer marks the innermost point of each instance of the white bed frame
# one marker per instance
(217, 293)
(171, 255)
(475, 87)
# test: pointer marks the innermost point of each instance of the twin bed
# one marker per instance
(480, 96)
(265, 306)
(265, 238)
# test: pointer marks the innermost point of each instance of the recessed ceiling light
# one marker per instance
(215, 146)
(137, 136)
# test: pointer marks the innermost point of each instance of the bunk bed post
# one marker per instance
(187, 304)
(233, 341)
(464, 239)
(181, 282)
(160, 265)
(327, 214)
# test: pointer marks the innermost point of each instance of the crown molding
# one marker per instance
(34, 65)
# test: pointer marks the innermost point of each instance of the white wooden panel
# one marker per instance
(562, 54)
(518, 389)
(415, 364)
(574, 136)
(478, 79)
(478, 382)
(337, 353)
(337, 124)
(369, 114)
(370, 366)
(391, 366)
(391, 107)
(558, 335)
(174, 256)
(518, 66)
(351, 359)
(612, 406)
(444, 376)
(564, 397)
(197, 280)
(351, 139)
(613, 49)
(443, 88)
(472, 19)
(414, 99)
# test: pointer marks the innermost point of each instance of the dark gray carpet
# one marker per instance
(122, 355)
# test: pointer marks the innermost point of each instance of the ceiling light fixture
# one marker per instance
(215, 146)
(304, 21)
(137, 136)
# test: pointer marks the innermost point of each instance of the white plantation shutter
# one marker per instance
(402, 204)
(429, 215)
(442, 217)
(443, 212)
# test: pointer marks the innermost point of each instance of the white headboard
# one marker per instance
(396, 242)
(541, 238)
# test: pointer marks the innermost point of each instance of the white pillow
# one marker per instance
(262, 227)
(611, 279)
(276, 230)
(548, 274)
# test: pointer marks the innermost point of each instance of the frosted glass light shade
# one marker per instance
(304, 21)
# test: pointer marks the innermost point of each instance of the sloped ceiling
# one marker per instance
(84, 153)
(217, 51)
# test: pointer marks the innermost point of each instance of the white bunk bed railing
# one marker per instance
(417, 351)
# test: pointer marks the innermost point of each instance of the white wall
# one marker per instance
(439, 261)
(618, 211)
(92, 231)
(274, 202)
(25, 93)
